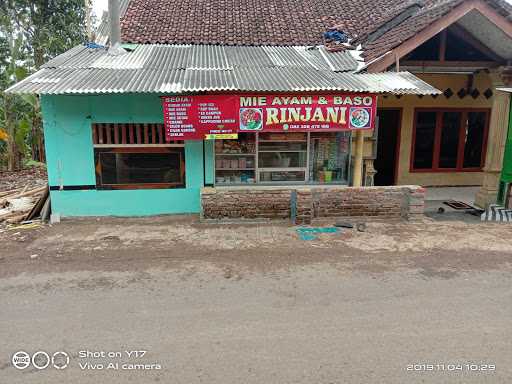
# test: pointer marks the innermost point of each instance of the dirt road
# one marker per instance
(254, 304)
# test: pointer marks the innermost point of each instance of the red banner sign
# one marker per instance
(194, 117)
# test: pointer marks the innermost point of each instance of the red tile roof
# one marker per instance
(281, 22)
(430, 12)
(246, 22)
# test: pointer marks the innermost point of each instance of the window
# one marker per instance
(287, 157)
(424, 144)
(450, 131)
(330, 157)
(135, 156)
(449, 140)
(235, 160)
(282, 156)
(475, 132)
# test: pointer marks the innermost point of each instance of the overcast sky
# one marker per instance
(99, 6)
(102, 5)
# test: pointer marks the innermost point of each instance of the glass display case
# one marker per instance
(330, 157)
(282, 157)
(235, 160)
(273, 158)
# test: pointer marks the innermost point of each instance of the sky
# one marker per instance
(99, 6)
(102, 5)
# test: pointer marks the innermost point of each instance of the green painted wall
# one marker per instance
(209, 151)
(70, 157)
(507, 160)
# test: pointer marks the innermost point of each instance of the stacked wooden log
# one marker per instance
(22, 204)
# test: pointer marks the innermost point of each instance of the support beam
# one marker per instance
(495, 145)
(382, 63)
(358, 160)
(442, 46)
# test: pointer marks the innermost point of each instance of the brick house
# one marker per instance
(435, 67)
(460, 47)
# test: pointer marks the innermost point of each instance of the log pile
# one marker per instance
(23, 204)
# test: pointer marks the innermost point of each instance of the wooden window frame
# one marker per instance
(140, 149)
(437, 140)
(109, 135)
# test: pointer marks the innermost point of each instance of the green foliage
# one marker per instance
(50, 26)
(31, 33)
(24, 127)
(32, 163)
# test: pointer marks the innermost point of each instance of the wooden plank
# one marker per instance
(161, 134)
(94, 134)
(10, 192)
(442, 46)
(130, 127)
(31, 193)
(138, 129)
(36, 209)
(123, 133)
(450, 64)
(108, 133)
(100, 133)
(116, 133)
(142, 186)
(146, 134)
(153, 133)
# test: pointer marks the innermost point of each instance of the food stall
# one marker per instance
(273, 139)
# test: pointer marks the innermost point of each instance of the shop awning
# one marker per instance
(186, 69)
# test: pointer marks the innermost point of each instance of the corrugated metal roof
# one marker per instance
(194, 68)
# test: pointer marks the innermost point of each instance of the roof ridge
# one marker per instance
(433, 11)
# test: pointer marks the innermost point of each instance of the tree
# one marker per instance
(13, 52)
(31, 33)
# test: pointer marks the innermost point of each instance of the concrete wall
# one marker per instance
(70, 158)
(409, 103)
(311, 202)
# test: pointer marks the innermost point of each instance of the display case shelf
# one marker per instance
(282, 151)
(234, 169)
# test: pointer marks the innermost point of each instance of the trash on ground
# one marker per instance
(311, 233)
(32, 225)
(20, 205)
(344, 224)
(457, 204)
(475, 211)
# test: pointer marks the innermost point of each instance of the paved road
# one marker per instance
(313, 324)
(255, 304)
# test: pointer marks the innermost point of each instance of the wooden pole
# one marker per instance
(358, 161)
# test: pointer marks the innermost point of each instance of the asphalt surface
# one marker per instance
(441, 320)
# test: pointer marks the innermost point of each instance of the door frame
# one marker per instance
(398, 141)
